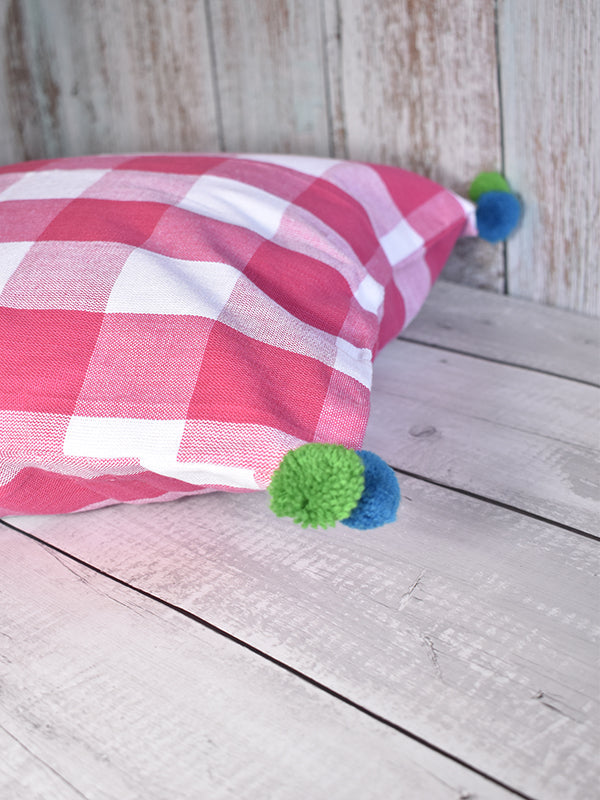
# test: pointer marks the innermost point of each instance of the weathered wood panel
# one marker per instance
(518, 332)
(106, 76)
(107, 693)
(471, 626)
(550, 71)
(21, 134)
(395, 81)
(270, 75)
(417, 86)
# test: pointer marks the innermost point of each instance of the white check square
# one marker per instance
(152, 283)
(236, 203)
(401, 242)
(11, 255)
(116, 437)
(370, 294)
(355, 362)
(53, 184)
(309, 165)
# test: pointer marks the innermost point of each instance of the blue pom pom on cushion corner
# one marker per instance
(498, 208)
(380, 499)
(498, 213)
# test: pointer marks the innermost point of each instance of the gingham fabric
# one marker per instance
(174, 324)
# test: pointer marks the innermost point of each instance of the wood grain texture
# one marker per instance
(21, 134)
(471, 626)
(397, 81)
(417, 86)
(518, 437)
(107, 693)
(550, 63)
(515, 331)
(270, 75)
(107, 76)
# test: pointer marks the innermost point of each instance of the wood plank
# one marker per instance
(523, 438)
(332, 15)
(270, 76)
(20, 129)
(517, 332)
(24, 776)
(469, 625)
(550, 62)
(107, 76)
(108, 693)
(415, 84)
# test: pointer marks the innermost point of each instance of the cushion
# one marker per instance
(175, 324)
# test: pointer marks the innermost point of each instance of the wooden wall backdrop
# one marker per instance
(444, 87)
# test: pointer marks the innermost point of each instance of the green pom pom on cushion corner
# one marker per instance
(487, 182)
(317, 484)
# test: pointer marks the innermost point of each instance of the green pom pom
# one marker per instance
(317, 484)
(487, 182)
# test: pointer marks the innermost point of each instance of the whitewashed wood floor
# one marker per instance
(205, 649)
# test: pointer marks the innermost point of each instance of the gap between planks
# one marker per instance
(150, 705)
(506, 605)
(522, 438)
(498, 504)
(222, 557)
(510, 331)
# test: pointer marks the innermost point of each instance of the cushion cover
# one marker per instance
(174, 324)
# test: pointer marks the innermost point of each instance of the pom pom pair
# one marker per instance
(321, 484)
(498, 209)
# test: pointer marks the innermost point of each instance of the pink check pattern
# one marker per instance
(174, 324)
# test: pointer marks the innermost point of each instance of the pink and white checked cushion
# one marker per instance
(174, 324)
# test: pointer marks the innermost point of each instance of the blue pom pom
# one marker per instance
(497, 215)
(380, 498)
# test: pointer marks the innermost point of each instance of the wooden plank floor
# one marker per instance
(204, 648)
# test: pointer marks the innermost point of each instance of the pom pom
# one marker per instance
(317, 484)
(380, 498)
(497, 214)
(487, 182)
